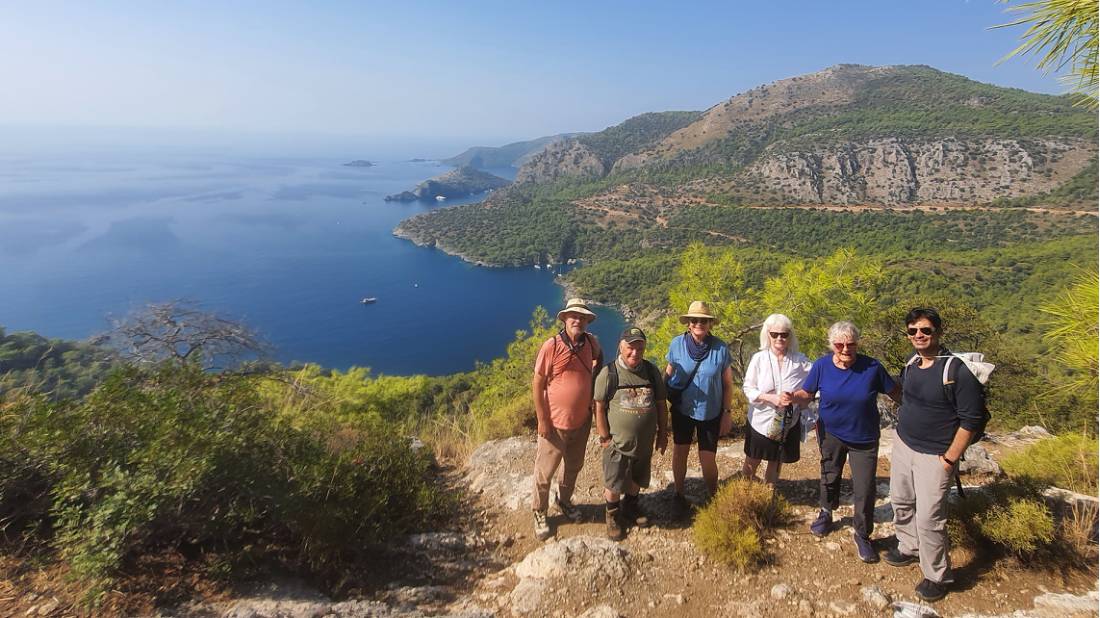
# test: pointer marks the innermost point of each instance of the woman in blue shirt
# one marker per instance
(848, 429)
(699, 367)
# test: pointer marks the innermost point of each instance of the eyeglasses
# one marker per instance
(779, 335)
(924, 330)
(699, 320)
(842, 346)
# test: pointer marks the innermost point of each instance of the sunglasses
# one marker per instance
(842, 346)
(699, 320)
(779, 335)
(924, 330)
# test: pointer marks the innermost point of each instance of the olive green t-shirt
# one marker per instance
(632, 412)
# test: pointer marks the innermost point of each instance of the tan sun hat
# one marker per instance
(577, 305)
(698, 309)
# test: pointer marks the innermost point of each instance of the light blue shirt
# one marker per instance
(703, 397)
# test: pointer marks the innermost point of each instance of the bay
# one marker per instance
(288, 245)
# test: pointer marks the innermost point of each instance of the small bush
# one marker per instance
(730, 529)
(1022, 526)
(1068, 461)
(1007, 514)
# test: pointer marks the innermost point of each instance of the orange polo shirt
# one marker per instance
(568, 373)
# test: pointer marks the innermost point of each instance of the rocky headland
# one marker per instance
(460, 182)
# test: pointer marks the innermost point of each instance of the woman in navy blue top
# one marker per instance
(847, 430)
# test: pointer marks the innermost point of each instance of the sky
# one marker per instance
(490, 71)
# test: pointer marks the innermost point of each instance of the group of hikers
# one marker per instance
(635, 404)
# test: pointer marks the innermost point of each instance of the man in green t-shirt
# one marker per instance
(631, 418)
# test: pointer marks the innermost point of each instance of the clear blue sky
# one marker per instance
(495, 70)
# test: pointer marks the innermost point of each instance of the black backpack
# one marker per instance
(651, 371)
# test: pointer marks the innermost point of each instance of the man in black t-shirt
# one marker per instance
(942, 408)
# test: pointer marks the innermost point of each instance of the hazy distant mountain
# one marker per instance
(509, 155)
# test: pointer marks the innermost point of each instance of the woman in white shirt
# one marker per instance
(777, 370)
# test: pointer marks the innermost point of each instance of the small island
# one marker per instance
(456, 183)
(359, 163)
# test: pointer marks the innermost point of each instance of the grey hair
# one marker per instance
(843, 328)
(778, 320)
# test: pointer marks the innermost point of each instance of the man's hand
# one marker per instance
(947, 465)
(662, 441)
(544, 430)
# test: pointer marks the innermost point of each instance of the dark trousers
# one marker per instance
(863, 460)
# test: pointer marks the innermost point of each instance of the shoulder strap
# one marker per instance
(612, 382)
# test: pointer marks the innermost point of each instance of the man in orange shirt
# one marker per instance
(562, 390)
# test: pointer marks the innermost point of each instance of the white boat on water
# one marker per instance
(441, 198)
(369, 300)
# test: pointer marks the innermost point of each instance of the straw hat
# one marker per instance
(698, 309)
(577, 305)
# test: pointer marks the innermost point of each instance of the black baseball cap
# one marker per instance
(632, 334)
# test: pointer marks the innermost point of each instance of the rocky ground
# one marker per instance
(491, 565)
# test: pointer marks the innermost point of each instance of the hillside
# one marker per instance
(861, 135)
(508, 155)
(849, 137)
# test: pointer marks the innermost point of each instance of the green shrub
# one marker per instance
(1068, 461)
(730, 529)
(178, 456)
(1007, 514)
(1022, 526)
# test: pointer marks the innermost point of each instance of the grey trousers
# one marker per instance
(862, 460)
(918, 492)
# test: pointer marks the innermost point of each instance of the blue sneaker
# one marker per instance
(864, 549)
(823, 524)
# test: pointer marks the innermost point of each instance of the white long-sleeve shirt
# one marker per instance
(763, 372)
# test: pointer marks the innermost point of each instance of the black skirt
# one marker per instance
(759, 446)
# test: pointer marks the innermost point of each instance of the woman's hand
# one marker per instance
(784, 400)
(725, 424)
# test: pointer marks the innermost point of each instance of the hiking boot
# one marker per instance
(615, 530)
(542, 529)
(571, 512)
(681, 506)
(894, 557)
(823, 524)
(930, 591)
(864, 549)
(632, 512)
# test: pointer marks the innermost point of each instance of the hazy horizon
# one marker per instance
(478, 75)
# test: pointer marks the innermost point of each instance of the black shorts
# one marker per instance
(684, 429)
(759, 446)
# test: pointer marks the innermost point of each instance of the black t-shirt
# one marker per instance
(927, 422)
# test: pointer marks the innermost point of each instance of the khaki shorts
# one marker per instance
(618, 468)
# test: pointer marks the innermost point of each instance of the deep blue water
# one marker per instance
(288, 246)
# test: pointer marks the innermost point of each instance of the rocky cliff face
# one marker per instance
(895, 171)
(565, 158)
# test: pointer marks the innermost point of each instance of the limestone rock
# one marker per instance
(780, 591)
(875, 597)
(977, 460)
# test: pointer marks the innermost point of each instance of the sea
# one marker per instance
(287, 243)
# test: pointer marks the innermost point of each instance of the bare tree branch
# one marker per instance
(179, 331)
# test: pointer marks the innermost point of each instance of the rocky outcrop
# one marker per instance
(561, 159)
(456, 183)
(895, 172)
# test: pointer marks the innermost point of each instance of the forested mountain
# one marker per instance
(508, 155)
(895, 138)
